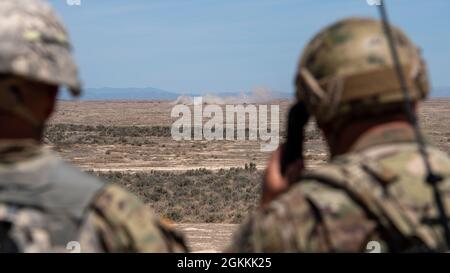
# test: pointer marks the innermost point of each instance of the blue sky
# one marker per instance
(200, 46)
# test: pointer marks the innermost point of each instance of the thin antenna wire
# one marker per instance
(431, 178)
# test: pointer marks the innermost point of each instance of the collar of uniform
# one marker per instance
(384, 136)
(12, 151)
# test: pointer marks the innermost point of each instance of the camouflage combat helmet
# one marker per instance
(35, 45)
(348, 66)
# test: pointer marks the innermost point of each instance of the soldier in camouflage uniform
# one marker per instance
(47, 205)
(374, 187)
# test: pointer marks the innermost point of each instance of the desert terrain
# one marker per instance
(205, 187)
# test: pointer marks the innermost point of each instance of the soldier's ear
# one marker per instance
(52, 95)
(40, 98)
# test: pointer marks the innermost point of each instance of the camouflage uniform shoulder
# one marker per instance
(303, 219)
(387, 184)
(405, 159)
(341, 205)
(383, 164)
(396, 169)
(125, 224)
(23, 230)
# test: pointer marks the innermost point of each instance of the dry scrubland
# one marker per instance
(129, 143)
(201, 185)
(196, 196)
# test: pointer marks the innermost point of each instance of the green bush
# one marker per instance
(197, 195)
(66, 134)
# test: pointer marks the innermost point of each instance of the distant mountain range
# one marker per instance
(108, 93)
(149, 93)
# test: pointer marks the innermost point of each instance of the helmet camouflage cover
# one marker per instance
(348, 66)
(35, 45)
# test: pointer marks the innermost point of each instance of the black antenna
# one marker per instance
(432, 178)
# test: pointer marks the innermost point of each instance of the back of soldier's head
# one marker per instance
(347, 73)
(35, 53)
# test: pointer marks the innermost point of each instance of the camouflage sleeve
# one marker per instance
(119, 222)
(287, 225)
(306, 220)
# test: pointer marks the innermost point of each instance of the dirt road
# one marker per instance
(209, 238)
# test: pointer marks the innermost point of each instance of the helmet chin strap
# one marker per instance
(12, 102)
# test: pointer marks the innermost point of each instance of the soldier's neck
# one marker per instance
(362, 135)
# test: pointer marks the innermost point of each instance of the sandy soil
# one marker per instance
(163, 153)
(166, 154)
(207, 238)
